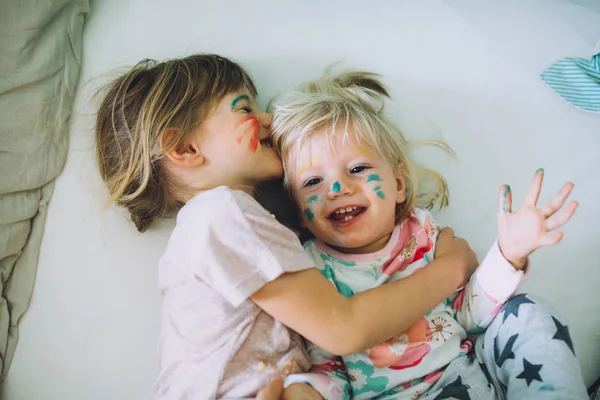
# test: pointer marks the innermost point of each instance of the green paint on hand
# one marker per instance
(506, 194)
(374, 178)
(309, 214)
(539, 171)
(336, 187)
(312, 199)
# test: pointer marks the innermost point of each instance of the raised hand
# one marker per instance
(529, 228)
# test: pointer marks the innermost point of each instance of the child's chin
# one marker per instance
(347, 243)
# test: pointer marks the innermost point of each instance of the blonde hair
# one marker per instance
(137, 110)
(354, 99)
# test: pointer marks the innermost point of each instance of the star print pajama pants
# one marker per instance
(526, 353)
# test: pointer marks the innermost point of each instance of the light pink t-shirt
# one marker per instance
(215, 342)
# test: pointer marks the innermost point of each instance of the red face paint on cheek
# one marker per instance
(253, 129)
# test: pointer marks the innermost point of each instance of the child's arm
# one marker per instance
(519, 234)
(309, 304)
(493, 283)
(301, 391)
(526, 230)
(298, 391)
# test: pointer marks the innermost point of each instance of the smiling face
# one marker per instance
(235, 142)
(346, 191)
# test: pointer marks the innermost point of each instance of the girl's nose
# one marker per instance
(265, 119)
(340, 187)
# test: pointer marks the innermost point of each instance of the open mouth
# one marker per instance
(346, 214)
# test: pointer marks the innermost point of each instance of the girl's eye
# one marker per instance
(312, 182)
(358, 169)
(247, 109)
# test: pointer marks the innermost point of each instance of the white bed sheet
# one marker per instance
(460, 70)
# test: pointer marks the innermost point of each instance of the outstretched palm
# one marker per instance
(529, 228)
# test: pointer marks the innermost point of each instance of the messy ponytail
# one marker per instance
(137, 110)
(355, 99)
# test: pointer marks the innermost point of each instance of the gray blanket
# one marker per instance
(40, 59)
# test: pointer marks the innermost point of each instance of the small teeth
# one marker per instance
(348, 218)
(345, 210)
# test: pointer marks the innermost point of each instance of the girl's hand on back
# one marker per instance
(529, 228)
(451, 247)
(296, 391)
(273, 391)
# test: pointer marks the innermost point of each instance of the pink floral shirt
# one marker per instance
(411, 361)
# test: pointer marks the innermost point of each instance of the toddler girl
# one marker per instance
(358, 194)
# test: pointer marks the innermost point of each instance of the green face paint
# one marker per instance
(377, 189)
(374, 178)
(336, 187)
(312, 199)
(240, 97)
(381, 195)
(309, 214)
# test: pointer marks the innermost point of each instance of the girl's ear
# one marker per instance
(400, 184)
(186, 154)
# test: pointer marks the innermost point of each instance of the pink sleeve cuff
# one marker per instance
(497, 277)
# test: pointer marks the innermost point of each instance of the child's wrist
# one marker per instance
(458, 276)
(518, 262)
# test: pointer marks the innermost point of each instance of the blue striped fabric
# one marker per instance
(577, 80)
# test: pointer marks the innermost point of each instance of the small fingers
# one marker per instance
(550, 239)
(505, 202)
(536, 187)
(444, 241)
(563, 217)
(557, 202)
(447, 231)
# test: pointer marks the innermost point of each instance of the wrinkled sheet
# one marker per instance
(40, 59)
